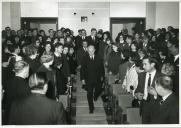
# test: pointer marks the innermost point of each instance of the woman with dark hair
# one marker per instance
(114, 61)
(37, 109)
(107, 51)
(131, 79)
(102, 44)
(31, 53)
(134, 47)
(48, 49)
(123, 66)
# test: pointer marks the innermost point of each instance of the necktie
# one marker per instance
(161, 101)
(149, 84)
(149, 80)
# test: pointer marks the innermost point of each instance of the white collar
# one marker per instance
(166, 96)
(56, 54)
(152, 73)
(175, 57)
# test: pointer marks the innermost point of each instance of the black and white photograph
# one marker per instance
(90, 63)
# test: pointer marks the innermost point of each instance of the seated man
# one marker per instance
(37, 109)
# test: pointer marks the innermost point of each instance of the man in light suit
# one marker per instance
(92, 73)
(145, 91)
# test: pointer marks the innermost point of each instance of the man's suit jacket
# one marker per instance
(91, 42)
(37, 109)
(168, 111)
(78, 42)
(80, 54)
(92, 70)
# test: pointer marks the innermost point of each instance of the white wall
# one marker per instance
(128, 9)
(39, 9)
(15, 15)
(167, 14)
(68, 19)
(6, 17)
(150, 15)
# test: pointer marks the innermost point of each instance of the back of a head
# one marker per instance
(37, 81)
(20, 65)
(31, 50)
(165, 82)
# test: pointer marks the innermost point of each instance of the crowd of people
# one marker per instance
(36, 69)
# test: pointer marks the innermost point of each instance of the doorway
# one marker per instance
(39, 23)
(117, 24)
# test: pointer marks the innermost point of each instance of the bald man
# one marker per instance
(92, 74)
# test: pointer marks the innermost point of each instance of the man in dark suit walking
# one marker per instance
(145, 91)
(92, 73)
(168, 111)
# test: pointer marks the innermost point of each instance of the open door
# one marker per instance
(117, 24)
(40, 23)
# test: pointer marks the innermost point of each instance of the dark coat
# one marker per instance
(92, 70)
(94, 43)
(80, 54)
(168, 111)
(15, 89)
(113, 62)
(78, 42)
(37, 109)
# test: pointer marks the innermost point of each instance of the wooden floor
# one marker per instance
(82, 110)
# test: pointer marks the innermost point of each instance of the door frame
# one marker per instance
(31, 19)
(118, 20)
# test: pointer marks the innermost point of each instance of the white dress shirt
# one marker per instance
(166, 96)
(146, 83)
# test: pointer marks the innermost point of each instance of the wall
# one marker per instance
(167, 13)
(39, 9)
(128, 9)
(15, 15)
(99, 20)
(6, 18)
(150, 15)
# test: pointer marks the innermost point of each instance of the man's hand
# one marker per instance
(139, 95)
(152, 91)
(59, 66)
